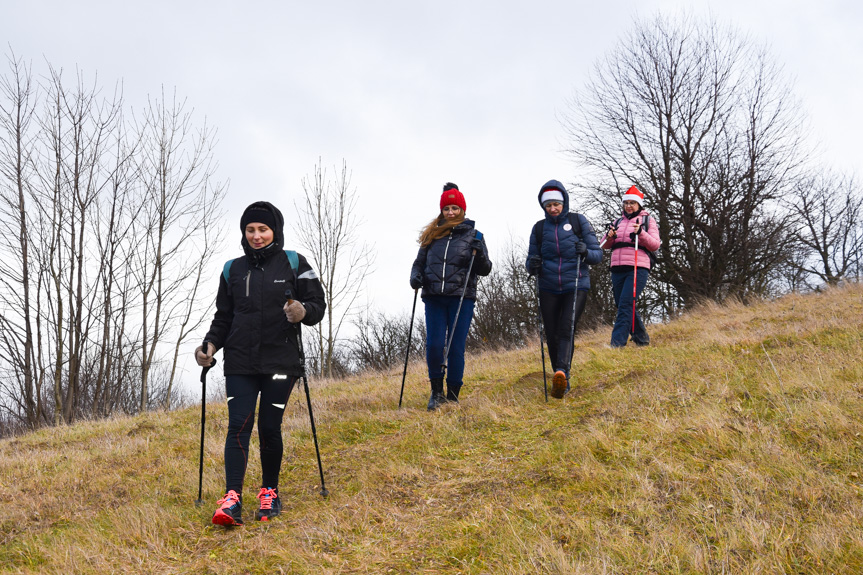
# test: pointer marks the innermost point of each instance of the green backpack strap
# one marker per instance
(226, 270)
(293, 259)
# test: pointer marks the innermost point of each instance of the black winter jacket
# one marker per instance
(250, 324)
(443, 264)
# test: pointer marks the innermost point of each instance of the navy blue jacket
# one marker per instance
(560, 264)
(443, 264)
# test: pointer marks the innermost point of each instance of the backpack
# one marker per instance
(293, 259)
(645, 225)
(538, 227)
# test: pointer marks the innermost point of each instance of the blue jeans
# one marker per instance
(621, 284)
(440, 317)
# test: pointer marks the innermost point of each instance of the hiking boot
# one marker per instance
(271, 504)
(437, 397)
(558, 384)
(452, 392)
(230, 511)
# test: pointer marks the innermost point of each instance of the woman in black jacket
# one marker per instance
(447, 245)
(257, 330)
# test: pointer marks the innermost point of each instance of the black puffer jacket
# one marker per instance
(249, 324)
(443, 264)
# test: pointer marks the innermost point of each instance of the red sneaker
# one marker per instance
(271, 505)
(230, 511)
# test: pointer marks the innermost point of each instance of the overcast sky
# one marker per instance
(410, 94)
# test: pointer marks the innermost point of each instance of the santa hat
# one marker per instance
(452, 196)
(635, 195)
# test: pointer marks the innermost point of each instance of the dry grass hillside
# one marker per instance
(734, 444)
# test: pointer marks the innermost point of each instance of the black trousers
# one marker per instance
(559, 327)
(242, 391)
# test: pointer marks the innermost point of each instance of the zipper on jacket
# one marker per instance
(248, 276)
(443, 274)
(559, 259)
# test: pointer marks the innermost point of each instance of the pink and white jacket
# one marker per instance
(625, 256)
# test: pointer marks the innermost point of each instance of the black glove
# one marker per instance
(534, 265)
(476, 244)
(416, 281)
(635, 233)
(581, 248)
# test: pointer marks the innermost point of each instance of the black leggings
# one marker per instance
(242, 391)
(559, 328)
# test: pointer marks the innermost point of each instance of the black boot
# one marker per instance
(437, 397)
(452, 392)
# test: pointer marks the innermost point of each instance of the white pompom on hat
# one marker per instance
(635, 195)
(551, 196)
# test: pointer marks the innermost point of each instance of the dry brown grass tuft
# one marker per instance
(732, 445)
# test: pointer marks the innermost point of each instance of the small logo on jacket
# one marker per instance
(278, 281)
(567, 227)
(279, 376)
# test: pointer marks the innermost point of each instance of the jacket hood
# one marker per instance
(278, 234)
(466, 224)
(555, 185)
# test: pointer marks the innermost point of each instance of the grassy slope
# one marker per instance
(732, 445)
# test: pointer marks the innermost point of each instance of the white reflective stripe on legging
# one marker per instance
(279, 405)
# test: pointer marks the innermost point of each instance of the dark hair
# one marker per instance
(450, 186)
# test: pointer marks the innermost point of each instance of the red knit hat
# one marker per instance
(452, 196)
(635, 195)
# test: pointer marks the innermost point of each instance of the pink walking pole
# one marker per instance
(634, 278)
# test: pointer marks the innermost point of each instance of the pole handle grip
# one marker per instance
(205, 348)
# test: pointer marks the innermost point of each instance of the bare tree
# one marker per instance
(114, 243)
(179, 199)
(17, 317)
(505, 308)
(704, 123)
(828, 224)
(381, 340)
(329, 231)
(106, 229)
(76, 132)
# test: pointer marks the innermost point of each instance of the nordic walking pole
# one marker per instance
(408, 352)
(457, 311)
(574, 307)
(541, 347)
(635, 277)
(302, 353)
(199, 501)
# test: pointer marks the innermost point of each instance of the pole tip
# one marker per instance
(325, 492)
